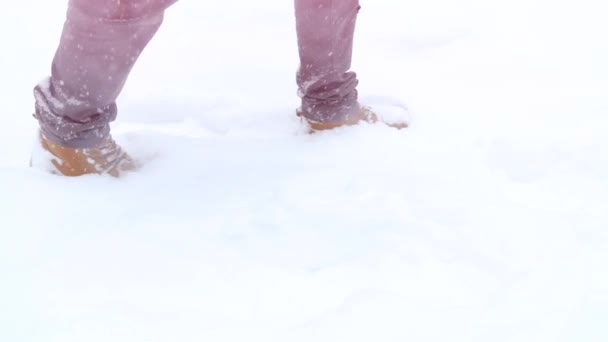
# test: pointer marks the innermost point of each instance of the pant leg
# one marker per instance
(325, 31)
(100, 43)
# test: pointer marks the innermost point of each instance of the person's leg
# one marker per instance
(101, 42)
(325, 31)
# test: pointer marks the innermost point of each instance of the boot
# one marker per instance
(365, 114)
(105, 158)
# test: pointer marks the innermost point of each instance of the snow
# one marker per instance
(486, 220)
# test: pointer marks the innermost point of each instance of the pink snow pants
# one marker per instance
(102, 40)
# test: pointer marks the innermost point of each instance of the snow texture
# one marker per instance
(487, 220)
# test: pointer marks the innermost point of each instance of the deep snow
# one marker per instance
(487, 220)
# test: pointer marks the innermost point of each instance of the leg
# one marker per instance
(325, 38)
(101, 42)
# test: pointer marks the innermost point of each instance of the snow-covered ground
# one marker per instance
(487, 220)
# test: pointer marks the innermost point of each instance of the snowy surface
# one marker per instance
(487, 220)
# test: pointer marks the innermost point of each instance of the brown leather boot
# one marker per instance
(105, 158)
(364, 115)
